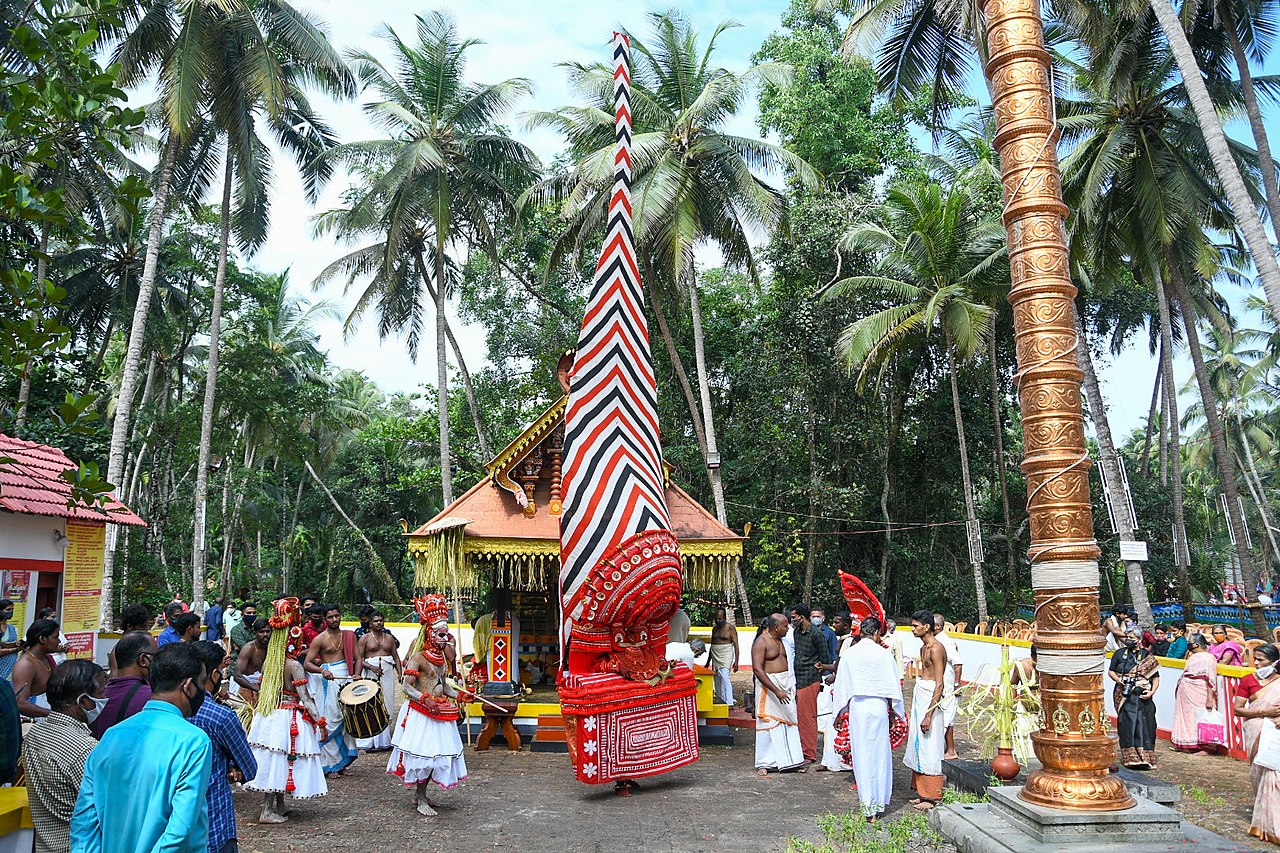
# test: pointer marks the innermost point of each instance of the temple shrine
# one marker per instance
(499, 544)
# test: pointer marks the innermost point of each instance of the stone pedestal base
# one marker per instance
(1009, 825)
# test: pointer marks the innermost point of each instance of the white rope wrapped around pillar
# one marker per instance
(1068, 574)
(1070, 661)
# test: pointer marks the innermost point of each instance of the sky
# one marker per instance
(521, 44)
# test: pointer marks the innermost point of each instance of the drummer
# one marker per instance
(330, 663)
(378, 660)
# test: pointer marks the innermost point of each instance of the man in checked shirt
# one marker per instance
(232, 759)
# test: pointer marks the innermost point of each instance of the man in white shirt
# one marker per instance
(949, 703)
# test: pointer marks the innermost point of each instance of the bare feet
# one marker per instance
(424, 809)
(820, 768)
(950, 756)
(924, 806)
(272, 817)
(761, 772)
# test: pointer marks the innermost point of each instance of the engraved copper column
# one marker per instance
(1074, 745)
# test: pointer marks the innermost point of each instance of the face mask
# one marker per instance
(196, 700)
(98, 705)
(818, 620)
(1130, 643)
(1266, 671)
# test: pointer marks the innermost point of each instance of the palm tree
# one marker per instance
(1220, 152)
(938, 257)
(258, 80)
(442, 176)
(694, 182)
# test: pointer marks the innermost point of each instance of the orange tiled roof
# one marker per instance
(32, 484)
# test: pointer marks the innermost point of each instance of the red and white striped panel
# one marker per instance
(612, 475)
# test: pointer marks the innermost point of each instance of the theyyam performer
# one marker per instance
(628, 712)
(425, 745)
(287, 728)
(868, 694)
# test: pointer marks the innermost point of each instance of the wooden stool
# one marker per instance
(495, 719)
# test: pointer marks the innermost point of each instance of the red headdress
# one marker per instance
(861, 600)
(431, 608)
(288, 617)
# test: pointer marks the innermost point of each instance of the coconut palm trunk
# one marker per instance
(442, 361)
(712, 457)
(1174, 452)
(1254, 482)
(133, 361)
(199, 544)
(1266, 162)
(970, 512)
(24, 385)
(1110, 461)
(1151, 418)
(467, 387)
(1218, 440)
(286, 560)
(1224, 164)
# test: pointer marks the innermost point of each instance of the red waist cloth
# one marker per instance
(601, 692)
(448, 713)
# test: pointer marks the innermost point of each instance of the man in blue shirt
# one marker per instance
(819, 621)
(233, 761)
(170, 634)
(213, 621)
(131, 803)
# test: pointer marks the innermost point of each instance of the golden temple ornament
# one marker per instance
(1088, 724)
(1056, 463)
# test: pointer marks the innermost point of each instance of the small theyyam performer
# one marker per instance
(425, 746)
(331, 660)
(867, 693)
(287, 727)
(927, 738)
(828, 711)
(380, 661)
(777, 726)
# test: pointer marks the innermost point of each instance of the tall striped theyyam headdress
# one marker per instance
(620, 564)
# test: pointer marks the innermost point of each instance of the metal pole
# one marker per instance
(1075, 745)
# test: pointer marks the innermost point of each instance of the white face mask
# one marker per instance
(98, 705)
(818, 620)
(1266, 671)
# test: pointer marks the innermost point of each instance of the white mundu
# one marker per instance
(867, 687)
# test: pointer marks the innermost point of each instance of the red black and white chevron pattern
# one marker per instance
(612, 476)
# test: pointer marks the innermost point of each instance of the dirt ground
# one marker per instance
(530, 802)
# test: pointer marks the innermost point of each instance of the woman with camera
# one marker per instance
(1136, 673)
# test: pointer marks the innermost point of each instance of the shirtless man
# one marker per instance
(377, 659)
(35, 665)
(248, 673)
(927, 739)
(329, 671)
(777, 726)
(1113, 627)
(426, 746)
(723, 660)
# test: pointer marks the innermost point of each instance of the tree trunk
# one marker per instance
(442, 373)
(24, 386)
(970, 512)
(1218, 439)
(1151, 419)
(1255, 489)
(287, 559)
(199, 544)
(677, 366)
(106, 343)
(712, 457)
(1174, 452)
(467, 387)
(1224, 164)
(379, 568)
(811, 547)
(897, 402)
(1110, 461)
(232, 523)
(998, 421)
(1266, 163)
(132, 362)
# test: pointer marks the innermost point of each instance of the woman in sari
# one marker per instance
(1197, 691)
(1136, 673)
(1227, 652)
(1262, 708)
